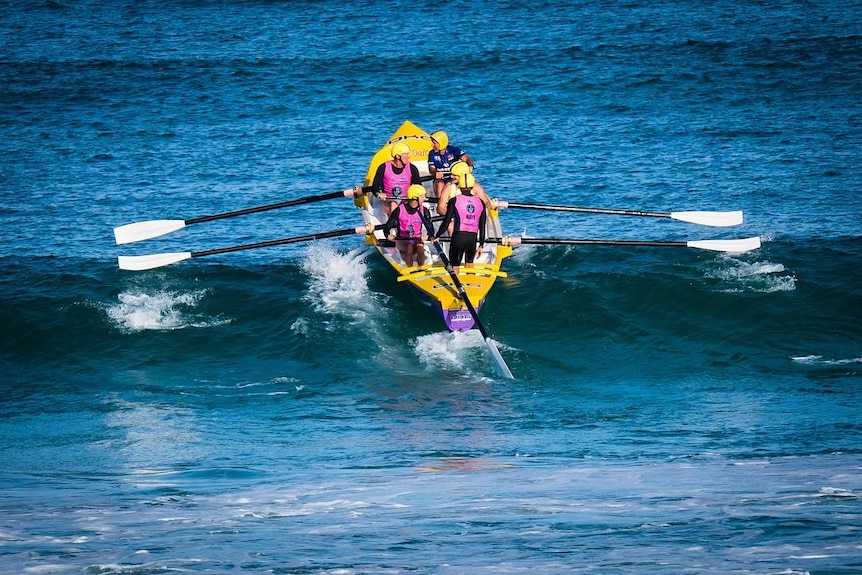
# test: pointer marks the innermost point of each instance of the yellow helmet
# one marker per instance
(441, 138)
(415, 191)
(459, 168)
(399, 148)
(466, 181)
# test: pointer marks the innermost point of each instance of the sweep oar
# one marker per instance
(154, 228)
(734, 246)
(717, 219)
(492, 347)
(138, 263)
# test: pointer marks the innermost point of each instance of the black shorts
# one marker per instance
(463, 245)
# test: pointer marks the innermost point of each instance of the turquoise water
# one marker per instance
(294, 410)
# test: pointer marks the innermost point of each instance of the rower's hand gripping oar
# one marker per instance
(716, 219)
(154, 228)
(139, 263)
(492, 347)
(732, 246)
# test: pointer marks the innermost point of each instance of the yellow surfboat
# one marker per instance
(432, 282)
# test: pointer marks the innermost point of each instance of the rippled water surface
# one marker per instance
(294, 410)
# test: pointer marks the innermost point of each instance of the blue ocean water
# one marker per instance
(294, 410)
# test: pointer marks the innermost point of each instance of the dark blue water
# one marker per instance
(294, 410)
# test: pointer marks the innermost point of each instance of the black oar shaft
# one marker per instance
(285, 204)
(735, 246)
(276, 206)
(574, 242)
(515, 241)
(553, 241)
(587, 210)
(279, 242)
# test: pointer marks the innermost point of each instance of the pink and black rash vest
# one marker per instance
(409, 225)
(394, 184)
(469, 209)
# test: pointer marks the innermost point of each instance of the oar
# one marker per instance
(734, 246)
(492, 347)
(717, 219)
(138, 263)
(154, 228)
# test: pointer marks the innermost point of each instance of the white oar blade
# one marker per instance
(139, 263)
(498, 359)
(716, 219)
(145, 230)
(735, 246)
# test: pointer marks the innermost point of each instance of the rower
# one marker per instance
(468, 214)
(451, 190)
(393, 177)
(441, 159)
(405, 226)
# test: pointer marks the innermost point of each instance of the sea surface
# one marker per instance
(292, 410)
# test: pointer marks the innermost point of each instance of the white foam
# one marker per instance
(48, 568)
(744, 276)
(338, 284)
(137, 310)
(838, 492)
(452, 350)
(818, 360)
(301, 326)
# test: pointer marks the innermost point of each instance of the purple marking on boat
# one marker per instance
(459, 320)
